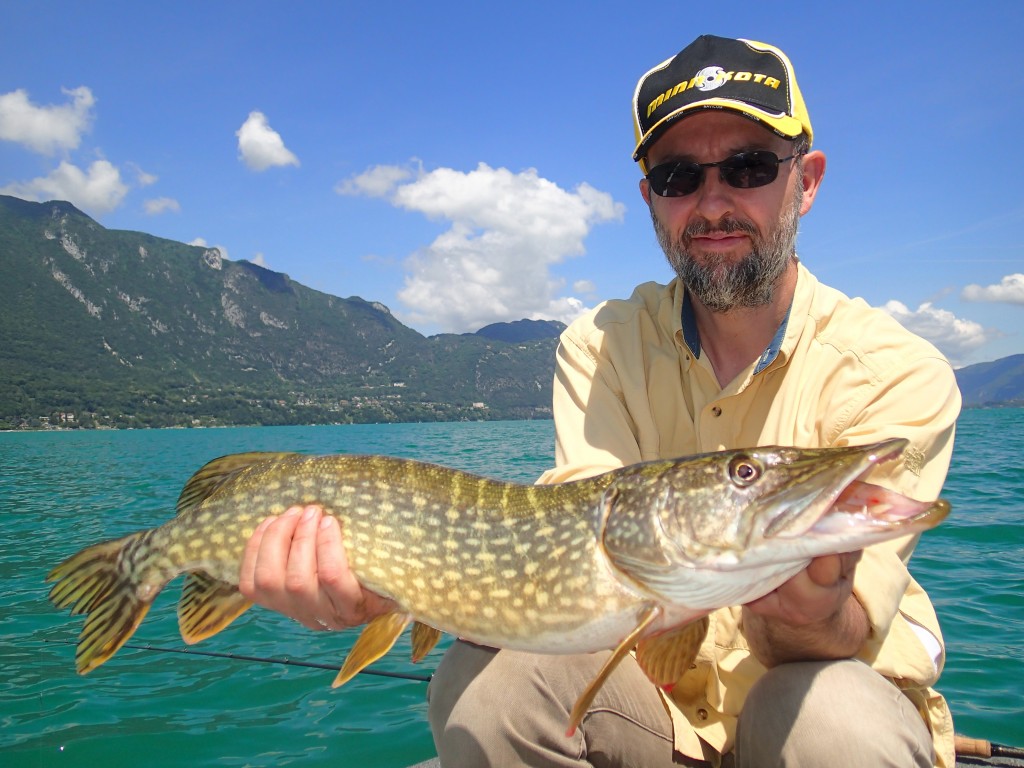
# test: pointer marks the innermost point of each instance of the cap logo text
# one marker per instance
(708, 79)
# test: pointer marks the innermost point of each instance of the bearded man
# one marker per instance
(744, 347)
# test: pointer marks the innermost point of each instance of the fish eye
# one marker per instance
(744, 471)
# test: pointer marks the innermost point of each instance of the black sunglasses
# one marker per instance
(743, 171)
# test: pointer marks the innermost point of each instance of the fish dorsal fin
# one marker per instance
(214, 474)
(207, 605)
(376, 639)
(586, 698)
(424, 638)
(667, 656)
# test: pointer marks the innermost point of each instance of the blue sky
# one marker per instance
(464, 164)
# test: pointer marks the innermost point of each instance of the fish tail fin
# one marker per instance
(207, 605)
(92, 582)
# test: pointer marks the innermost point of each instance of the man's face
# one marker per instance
(729, 246)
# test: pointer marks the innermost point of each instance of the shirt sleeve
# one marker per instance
(586, 446)
(921, 403)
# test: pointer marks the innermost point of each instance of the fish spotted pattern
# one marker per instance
(635, 557)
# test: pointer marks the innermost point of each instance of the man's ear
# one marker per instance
(813, 172)
(645, 190)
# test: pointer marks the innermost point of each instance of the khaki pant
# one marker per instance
(505, 708)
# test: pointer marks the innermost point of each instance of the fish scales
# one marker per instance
(473, 572)
(633, 557)
(465, 568)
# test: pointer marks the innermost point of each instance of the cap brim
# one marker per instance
(782, 124)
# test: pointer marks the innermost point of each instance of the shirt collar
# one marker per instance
(692, 336)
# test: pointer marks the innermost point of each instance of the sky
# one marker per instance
(465, 163)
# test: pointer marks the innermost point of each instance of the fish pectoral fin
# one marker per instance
(91, 582)
(587, 697)
(215, 473)
(207, 605)
(667, 656)
(424, 638)
(376, 639)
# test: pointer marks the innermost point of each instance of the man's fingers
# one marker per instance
(338, 585)
(250, 557)
(829, 570)
(350, 603)
(272, 557)
(330, 552)
(825, 571)
(295, 564)
(301, 561)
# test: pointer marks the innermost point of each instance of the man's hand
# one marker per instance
(295, 564)
(813, 616)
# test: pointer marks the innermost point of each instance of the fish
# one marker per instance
(633, 559)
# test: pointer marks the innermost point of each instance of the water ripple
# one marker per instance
(61, 491)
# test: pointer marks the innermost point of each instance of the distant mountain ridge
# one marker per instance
(126, 329)
(107, 328)
(1000, 382)
(522, 330)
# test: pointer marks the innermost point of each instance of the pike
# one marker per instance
(634, 558)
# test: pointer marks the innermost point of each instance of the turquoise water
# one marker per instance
(61, 491)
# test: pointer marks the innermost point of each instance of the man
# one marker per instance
(744, 347)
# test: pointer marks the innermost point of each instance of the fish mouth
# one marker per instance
(865, 506)
(836, 498)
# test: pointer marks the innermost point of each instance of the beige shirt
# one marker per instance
(631, 385)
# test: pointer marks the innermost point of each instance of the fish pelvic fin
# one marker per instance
(92, 582)
(579, 710)
(376, 639)
(212, 475)
(424, 638)
(667, 656)
(207, 606)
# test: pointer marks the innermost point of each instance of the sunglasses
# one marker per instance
(745, 170)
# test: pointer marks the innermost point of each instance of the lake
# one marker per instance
(60, 491)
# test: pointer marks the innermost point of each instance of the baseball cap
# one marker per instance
(751, 78)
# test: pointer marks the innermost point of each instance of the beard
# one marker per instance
(719, 282)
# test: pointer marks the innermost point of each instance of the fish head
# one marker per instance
(723, 525)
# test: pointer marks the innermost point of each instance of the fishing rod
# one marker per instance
(987, 749)
(263, 660)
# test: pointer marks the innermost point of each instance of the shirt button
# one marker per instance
(716, 411)
(702, 714)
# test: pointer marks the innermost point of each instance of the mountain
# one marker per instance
(103, 327)
(522, 330)
(1000, 382)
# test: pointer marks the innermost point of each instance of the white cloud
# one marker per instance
(144, 179)
(260, 146)
(956, 338)
(584, 286)
(259, 260)
(49, 129)
(160, 205)
(494, 262)
(379, 181)
(1009, 291)
(98, 190)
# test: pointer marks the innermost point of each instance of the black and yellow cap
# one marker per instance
(751, 78)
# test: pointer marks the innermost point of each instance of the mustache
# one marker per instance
(701, 227)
